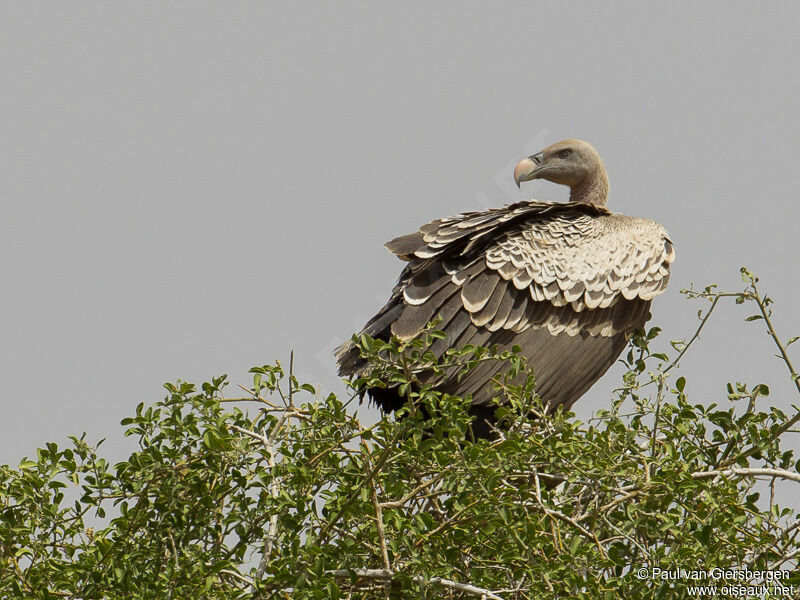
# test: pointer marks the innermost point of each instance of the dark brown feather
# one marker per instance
(405, 245)
(426, 283)
(414, 318)
(477, 291)
(487, 313)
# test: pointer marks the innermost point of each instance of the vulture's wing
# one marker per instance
(568, 283)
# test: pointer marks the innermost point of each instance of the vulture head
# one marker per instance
(573, 163)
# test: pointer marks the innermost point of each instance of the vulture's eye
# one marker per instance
(565, 153)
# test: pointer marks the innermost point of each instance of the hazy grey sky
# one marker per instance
(191, 188)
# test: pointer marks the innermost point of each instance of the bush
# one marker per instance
(286, 494)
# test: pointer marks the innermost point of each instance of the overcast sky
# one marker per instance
(191, 189)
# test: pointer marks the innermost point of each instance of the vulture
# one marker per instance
(567, 282)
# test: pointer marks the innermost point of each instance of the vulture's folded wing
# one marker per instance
(568, 283)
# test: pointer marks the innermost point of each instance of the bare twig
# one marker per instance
(537, 486)
(570, 521)
(607, 507)
(641, 548)
(786, 558)
(566, 519)
(174, 552)
(272, 530)
(387, 574)
(781, 535)
(291, 376)
(752, 294)
(445, 523)
(696, 335)
(752, 472)
(255, 397)
(766, 313)
(414, 492)
(269, 446)
(381, 531)
(243, 578)
(256, 436)
(386, 453)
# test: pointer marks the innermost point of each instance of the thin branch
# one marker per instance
(752, 293)
(696, 335)
(607, 507)
(552, 479)
(386, 453)
(256, 436)
(355, 435)
(795, 378)
(387, 574)
(562, 517)
(269, 445)
(414, 492)
(785, 558)
(445, 523)
(243, 578)
(773, 334)
(781, 535)
(255, 397)
(272, 529)
(752, 472)
(291, 376)
(659, 399)
(381, 530)
(174, 552)
(632, 539)
(570, 521)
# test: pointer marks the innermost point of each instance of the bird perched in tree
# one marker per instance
(568, 283)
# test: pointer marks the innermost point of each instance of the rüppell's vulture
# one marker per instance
(568, 283)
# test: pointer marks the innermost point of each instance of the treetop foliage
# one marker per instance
(284, 493)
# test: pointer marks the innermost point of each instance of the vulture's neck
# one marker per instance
(593, 189)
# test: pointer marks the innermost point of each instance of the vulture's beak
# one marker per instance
(528, 168)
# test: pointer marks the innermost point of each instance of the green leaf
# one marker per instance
(182, 515)
(333, 591)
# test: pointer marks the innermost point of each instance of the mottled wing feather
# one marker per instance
(585, 261)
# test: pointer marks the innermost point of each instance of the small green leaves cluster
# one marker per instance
(284, 493)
